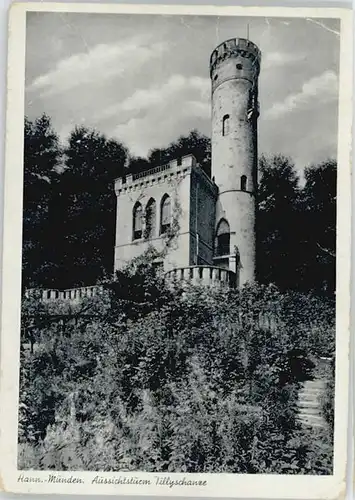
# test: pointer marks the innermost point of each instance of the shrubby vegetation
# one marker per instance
(179, 378)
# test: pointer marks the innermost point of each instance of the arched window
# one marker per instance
(165, 214)
(150, 219)
(225, 125)
(137, 221)
(243, 183)
(223, 238)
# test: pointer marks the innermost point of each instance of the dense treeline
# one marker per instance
(182, 379)
(297, 225)
(69, 209)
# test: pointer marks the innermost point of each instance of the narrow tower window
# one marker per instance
(137, 221)
(222, 243)
(165, 214)
(225, 125)
(243, 183)
(150, 219)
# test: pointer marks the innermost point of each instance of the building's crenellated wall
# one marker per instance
(193, 196)
(74, 295)
(172, 180)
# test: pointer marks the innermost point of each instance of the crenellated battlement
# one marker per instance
(234, 48)
(158, 175)
(202, 275)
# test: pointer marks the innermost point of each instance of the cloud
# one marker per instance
(155, 116)
(176, 87)
(319, 89)
(198, 109)
(103, 61)
(276, 59)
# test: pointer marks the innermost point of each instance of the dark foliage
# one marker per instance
(318, 227)
(296, 231)
(174, 379)
(42, 154)
(277, 217)
(86, 207)
(194, 143)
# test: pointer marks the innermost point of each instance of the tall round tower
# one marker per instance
(234, 70)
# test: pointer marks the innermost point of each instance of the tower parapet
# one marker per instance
(235, 58)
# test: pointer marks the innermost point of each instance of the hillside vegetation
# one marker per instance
(176, 379)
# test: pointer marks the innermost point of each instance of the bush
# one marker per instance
(327, 399)
(175, 379)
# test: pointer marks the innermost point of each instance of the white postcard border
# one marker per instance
(217, 485)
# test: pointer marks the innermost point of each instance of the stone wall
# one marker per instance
(172, 180)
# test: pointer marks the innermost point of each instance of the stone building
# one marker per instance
(210, 221)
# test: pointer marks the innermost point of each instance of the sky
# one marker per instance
(144, 79)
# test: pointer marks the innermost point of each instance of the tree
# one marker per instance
(194, 143)
(88, 205)
(318, 203)
(297, 226)
(138, 164)
(42, 155)
(277, 223)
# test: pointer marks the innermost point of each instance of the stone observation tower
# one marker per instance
(234, 71)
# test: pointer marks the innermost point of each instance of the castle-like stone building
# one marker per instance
(204, 228)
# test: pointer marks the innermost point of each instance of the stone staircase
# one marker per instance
(310, 396)
(309, 403)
